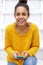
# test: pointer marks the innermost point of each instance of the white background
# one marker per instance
(7, 16)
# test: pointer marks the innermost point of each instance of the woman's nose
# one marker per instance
(21, 16)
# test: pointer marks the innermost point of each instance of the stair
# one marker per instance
(3, 55)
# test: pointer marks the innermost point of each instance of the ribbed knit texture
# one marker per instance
(20, 42)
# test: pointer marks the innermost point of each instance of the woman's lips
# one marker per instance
(21, 21)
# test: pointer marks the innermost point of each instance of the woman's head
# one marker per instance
(21, 11)
(24, 4)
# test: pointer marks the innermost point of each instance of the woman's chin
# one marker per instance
(21, 24)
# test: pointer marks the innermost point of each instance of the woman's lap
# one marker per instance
(32, 60)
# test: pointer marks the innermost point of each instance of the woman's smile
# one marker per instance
(21, 15)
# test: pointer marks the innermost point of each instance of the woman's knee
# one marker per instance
(30, 61)
(11, 63)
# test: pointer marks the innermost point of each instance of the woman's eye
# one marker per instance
(23, 14)
(17, 14)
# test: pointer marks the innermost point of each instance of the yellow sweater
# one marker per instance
(17, 42)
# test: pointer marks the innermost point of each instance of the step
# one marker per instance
(4, 62)
(39, 54)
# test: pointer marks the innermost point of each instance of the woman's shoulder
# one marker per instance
(34, 26)
(10, 26)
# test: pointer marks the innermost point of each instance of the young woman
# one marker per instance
(21, 37)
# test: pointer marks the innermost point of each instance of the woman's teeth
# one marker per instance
(21, 21)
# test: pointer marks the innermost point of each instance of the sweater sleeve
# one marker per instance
(8, 47)
(35, 43)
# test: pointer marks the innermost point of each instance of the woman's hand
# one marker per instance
(24, 54)
(15, 54)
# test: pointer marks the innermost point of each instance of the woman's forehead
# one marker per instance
(21, 9)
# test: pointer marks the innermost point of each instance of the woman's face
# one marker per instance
(21, 15)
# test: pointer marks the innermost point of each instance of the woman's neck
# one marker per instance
(21, 28)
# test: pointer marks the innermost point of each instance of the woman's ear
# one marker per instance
(14, 14)
(28, 15)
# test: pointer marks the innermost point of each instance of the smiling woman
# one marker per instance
(21, 15)
(21, 37)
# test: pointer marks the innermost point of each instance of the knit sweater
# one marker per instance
(14, 41)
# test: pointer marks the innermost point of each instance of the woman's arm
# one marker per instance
(7, 46)
(35, 43)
